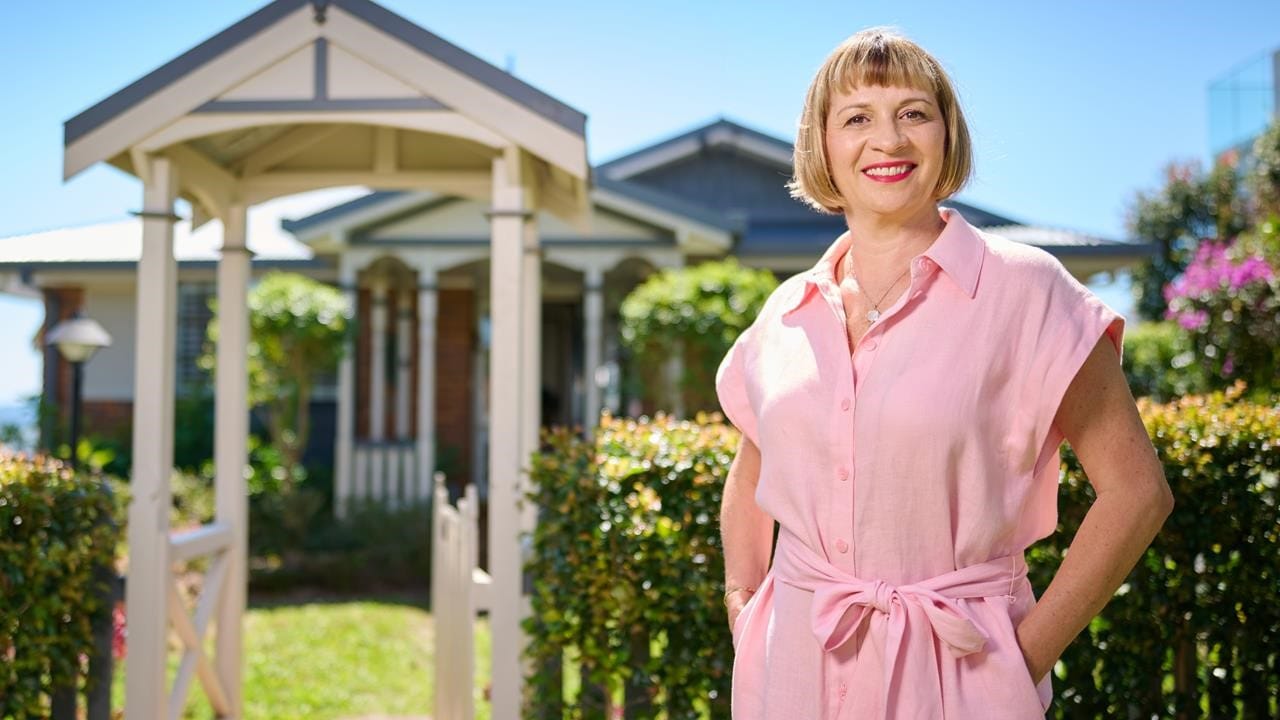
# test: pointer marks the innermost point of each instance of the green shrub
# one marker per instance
(697, 312)
(627, 567)
(372, 548)
(1191, 632)
(57, 531)
(1160, 363)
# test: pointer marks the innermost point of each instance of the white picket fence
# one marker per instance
(459, 589)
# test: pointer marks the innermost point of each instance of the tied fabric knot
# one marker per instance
(831, 601)
(884, 593)
(843, 603)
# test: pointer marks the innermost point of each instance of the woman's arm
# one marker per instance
(746, 531)
(1100, 419)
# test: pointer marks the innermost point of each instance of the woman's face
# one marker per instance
(885, 147)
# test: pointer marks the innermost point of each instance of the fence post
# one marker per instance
(101, 663)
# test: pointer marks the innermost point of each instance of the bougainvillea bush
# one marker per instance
(1228, 300)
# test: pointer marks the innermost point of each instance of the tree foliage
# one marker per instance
(1263, 177)
(697, 313)
(1189, 206)
(298, 329)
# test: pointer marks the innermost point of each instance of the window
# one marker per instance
(193, 319)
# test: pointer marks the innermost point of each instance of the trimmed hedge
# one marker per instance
(1193, 630)
(56, 528)
(627, 573)
(627, 568)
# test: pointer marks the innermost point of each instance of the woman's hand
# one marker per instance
(1037, 666)
(735, 603)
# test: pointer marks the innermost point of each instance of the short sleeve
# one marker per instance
(731, 386)
(1065, 326)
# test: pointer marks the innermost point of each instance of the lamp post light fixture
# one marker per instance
(77, 339)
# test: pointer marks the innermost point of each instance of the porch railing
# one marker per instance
(387, 472)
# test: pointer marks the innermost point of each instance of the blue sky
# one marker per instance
(1073, 106)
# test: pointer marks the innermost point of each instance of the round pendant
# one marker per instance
(873, 315)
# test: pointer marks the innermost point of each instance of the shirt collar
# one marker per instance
(958, 250)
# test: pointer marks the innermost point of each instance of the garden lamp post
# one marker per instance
(77, 339)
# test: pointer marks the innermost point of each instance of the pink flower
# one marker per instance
(1212, 270)
(1192, 319)
(118, 632)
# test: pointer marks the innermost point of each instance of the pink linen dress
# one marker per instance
(907, 480)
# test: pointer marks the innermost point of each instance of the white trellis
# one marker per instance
(212, 541)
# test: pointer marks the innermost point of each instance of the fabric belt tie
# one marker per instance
(917, 612)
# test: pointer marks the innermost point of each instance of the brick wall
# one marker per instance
(108, 419)
(455, 341)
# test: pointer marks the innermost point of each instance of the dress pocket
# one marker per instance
(1009, 656)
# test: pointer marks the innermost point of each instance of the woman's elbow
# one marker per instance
(1159, 500)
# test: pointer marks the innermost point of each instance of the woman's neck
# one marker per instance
(884, 244)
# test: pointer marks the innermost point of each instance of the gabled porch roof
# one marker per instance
(305, 94)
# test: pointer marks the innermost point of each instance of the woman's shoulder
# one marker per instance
(782, 298)
(1015, 256)
(1020, 267)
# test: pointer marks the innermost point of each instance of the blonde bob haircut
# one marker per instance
(877, 56)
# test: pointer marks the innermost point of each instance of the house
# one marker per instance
(406, 256)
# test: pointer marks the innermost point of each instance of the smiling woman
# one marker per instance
(902, 404)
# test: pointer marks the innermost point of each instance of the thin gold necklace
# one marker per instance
(874, 313)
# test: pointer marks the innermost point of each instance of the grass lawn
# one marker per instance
(337, 659)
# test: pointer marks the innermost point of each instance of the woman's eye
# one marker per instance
(919, 115)
(853, 120)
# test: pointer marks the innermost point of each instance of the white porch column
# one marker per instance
(375, 480)
(593, 318)
(147, 591)
(404, 360)
(428, 306)
(510, 218)
(342, 461)
(231, 448)
(377, 361)
(530, 367)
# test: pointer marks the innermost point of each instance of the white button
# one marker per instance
(842, 546)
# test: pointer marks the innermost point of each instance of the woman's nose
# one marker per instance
(889, 138)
